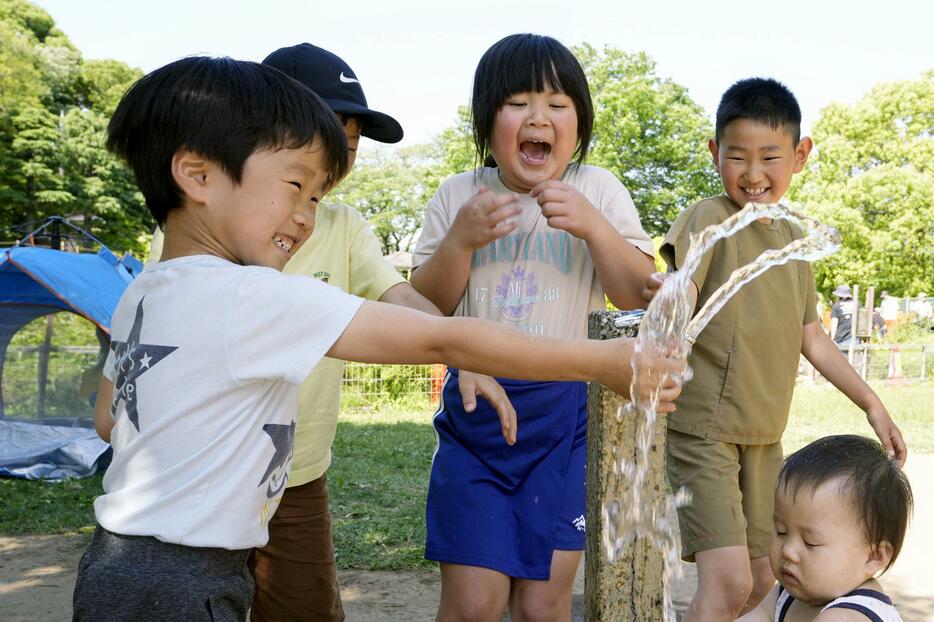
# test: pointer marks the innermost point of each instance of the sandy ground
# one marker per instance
(37, 574)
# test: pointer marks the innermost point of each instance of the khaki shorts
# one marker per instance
(733, 488)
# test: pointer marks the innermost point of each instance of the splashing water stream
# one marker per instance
(667, 327)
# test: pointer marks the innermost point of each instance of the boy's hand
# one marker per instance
(658, 370)
(655, 369)
(889, 434)
(484, 218)
(652, 285)
(565, 208)
(471, 385)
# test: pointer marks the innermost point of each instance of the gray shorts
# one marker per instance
(142, 578)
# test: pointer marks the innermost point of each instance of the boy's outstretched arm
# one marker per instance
(471, 385)
(382, 333)
(827, 358)
(442, 278)
(103, 421)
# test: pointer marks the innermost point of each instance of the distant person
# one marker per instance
(724, 441)
(535, 239)
(841, 513)
(921, 307)
(210, 345)
(889, 311)
(841, 316)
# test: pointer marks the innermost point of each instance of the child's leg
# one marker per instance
(759, 468)
(295, 573)
(724, 581)
(729, 521)
(713, 528)
(541, 601)
(472, 594)
(140, 578)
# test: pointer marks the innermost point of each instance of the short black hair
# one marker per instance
(224, 110)
(524, 63)
(879, 491)
(764, 100)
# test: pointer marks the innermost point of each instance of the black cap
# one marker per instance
(335, 82)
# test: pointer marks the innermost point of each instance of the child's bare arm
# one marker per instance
(388, 334)
(443, 276)
(621, 267)
(827, 358)
(654, 283)
(471, 385)
(103, 421)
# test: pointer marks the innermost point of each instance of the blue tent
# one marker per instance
(35, 282)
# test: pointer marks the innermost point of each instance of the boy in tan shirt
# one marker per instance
(724, 441)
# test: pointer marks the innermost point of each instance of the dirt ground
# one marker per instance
(37, 574)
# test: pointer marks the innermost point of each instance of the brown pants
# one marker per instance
(295, 573)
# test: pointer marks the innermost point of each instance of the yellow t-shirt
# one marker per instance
(344, 252)
(745, 361)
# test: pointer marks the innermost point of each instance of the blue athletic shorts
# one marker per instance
(509, 508)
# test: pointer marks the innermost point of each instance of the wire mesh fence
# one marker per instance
(890, 362)
(71, 378)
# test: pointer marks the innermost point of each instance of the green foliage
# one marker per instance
(390, 189)
(54, 108)
(872, 177)
(650, 133)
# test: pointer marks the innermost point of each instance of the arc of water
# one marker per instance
(668, 327)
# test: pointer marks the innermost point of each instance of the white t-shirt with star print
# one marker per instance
(206, 359)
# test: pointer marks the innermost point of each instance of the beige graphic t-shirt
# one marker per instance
(538, 279)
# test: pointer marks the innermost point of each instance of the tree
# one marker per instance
(54, 108)
(650, 133)
(391, 189)
(872, 177)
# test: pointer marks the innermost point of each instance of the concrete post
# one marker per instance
(631, 589)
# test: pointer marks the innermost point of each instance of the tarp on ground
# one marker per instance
(35, 282)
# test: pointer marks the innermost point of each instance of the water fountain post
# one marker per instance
(631, 589)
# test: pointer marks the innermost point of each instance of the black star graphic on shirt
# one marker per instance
(283, 436)
(133, 360)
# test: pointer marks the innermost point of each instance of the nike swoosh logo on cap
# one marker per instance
(347, 80)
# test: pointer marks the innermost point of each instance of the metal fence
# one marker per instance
(363, 385)
(889, 362)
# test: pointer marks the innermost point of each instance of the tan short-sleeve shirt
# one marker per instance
(745, 361)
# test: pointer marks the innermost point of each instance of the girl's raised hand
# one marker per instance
(484, 218)
(565, 208)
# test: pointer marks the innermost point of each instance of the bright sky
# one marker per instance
(415, 60)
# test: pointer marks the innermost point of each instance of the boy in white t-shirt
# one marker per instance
(209, 346)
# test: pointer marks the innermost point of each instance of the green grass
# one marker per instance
(382, 457)
(821, 410)
(28, 506)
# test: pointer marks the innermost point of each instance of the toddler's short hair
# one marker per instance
(524, 63)
(878, 490)
(224, 110)
(764, 100)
